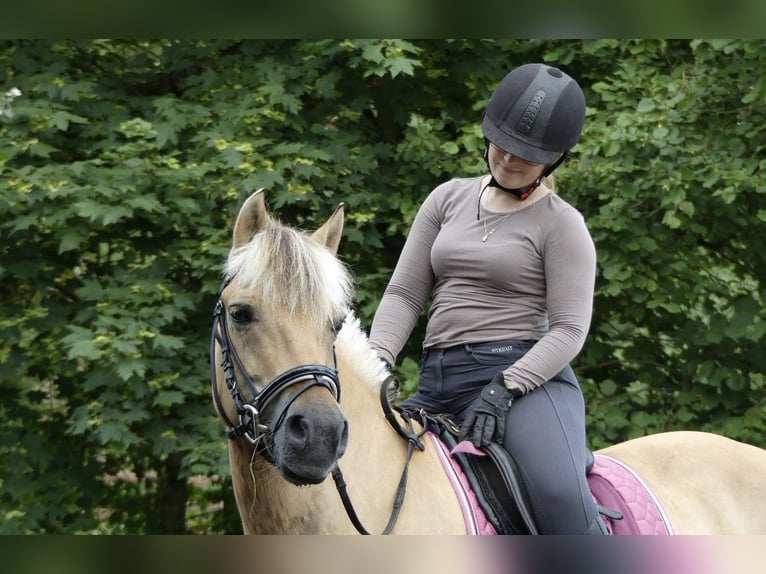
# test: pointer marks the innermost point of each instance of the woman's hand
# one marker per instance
(485, 420)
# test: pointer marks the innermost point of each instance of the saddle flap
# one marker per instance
(494, 478)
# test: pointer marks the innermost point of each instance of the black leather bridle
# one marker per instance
(249, 413)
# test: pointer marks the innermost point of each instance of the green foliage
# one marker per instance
(123, 164)
(671, 176)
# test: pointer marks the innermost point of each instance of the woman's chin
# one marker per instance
(512, 181)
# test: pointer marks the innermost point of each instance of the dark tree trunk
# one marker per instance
(169, 513)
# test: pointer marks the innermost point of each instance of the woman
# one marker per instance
(510, 270)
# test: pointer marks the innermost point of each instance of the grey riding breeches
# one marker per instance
(545, 429)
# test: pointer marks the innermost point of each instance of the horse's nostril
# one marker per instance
(298, 430)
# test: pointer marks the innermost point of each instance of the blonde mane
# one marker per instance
(353, 342)
(294, 272)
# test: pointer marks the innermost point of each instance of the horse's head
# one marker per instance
(281, 305)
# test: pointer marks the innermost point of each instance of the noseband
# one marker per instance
(249, 413)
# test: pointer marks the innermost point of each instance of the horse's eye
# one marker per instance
(338, 325)
(241, 314)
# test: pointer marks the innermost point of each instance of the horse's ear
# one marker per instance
(329, 234)
(252, 218)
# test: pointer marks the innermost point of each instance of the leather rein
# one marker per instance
(251, 427)
(413, 442)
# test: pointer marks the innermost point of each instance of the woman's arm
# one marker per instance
(410, 286)
(570, 274)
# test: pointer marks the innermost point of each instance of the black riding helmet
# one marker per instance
(536, 114)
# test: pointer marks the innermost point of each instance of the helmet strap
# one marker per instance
(555, 164)
(521, 193)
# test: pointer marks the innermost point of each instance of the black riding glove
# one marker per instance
(485, 420)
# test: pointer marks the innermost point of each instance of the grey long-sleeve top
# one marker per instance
(532, 279)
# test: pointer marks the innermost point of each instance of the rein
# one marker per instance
(250, 426)
(413, 442)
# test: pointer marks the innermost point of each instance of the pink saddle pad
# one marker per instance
(613, 484)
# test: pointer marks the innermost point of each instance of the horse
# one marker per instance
(297, 385)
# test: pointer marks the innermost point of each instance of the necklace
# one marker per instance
(488, 233)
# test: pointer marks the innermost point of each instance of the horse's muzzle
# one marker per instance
(309, 443)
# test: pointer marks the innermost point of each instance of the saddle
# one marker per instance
(496, 481)
(626, 504)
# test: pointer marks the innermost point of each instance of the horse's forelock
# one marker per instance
(293, 271)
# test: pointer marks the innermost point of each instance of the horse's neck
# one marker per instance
(361, 375)
(376, 457)
(372, 465)
(243, 469)
(268, 504)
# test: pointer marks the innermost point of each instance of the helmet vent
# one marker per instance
(527, 120)
(555, 72)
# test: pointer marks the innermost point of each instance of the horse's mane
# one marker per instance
(295, 273)
(353, 342)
